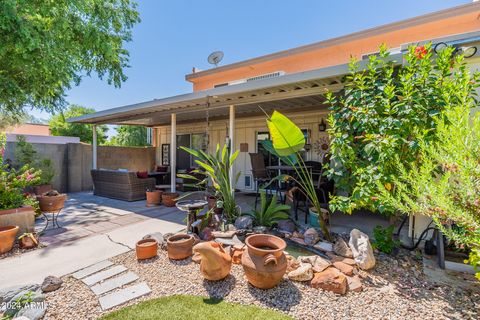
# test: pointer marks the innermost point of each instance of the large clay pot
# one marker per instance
(180, 246)
(146, 249)
(51, 203)
(154, 198)
(168, 199)
(215, 263)
(264, 262)
(7, 238)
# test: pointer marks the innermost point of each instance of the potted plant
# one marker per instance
(28, 240)
(51, 201)
(46, 176)
(154, 197)
(16, 206)
(216, 170)
(169, 199)
(270, 211)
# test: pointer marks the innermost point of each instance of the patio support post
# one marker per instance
(231, 135)
(94, 147)
(173, 153)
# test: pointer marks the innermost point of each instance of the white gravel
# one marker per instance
(395, 290)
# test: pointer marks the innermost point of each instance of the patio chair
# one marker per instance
(260, 175)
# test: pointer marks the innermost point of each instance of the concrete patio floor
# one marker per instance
(95, 228)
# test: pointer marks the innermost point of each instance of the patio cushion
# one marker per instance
(142, 174)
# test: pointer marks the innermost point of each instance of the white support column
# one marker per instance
(94, 147)
(231, 135)
(173, 153)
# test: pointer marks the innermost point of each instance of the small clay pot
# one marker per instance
(168, 199)
(264, 262)
(27, 242)
(7, 238)
(180, 246)
(154, 198)
(51, 203)
(146, 249)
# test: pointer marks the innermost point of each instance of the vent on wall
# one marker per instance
(267, 76)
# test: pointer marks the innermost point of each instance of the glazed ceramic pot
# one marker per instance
(154, 198)
(180, 246)
(264, 262)
(7, 238)
(51, 203)
(168, 199)
(215, 263)
(26, 242)
(146, 249)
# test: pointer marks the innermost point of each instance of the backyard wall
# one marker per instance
(73, 161)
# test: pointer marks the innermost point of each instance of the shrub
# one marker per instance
(26, 155)
(270, 211)
(383, 114)
(384, 239)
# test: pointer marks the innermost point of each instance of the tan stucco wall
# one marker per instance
(30, 129)
(340, 54)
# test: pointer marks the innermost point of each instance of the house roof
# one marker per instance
(423, 19)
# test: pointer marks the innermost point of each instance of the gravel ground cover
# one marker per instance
(396, 289)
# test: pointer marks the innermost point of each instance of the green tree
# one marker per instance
(131, 136)
(382, 114)
(47, 46)
(59, 127)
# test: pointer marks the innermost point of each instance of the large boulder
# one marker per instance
(330, 280)
(286, 226)
(311, 236)
(51, 283)
(341, 248)
(303, 273)
(244, 222)
(362, 249)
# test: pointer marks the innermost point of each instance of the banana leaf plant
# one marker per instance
(287, 141)
(216, 169)
(270, 211)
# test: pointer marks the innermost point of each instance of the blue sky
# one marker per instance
(175, 36)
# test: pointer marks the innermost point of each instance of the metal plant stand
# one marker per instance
(191, 207)
(54, 219)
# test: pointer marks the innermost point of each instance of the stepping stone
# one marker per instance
(114, 283)
(102, 275)
(92, 269)
(121, 296)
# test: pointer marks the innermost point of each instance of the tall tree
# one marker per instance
(59, 127)
(133, 136)
(47, 46)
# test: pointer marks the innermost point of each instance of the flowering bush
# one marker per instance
(13, 182)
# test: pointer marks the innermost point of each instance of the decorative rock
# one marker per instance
(330, 280)
(157, 236)
(244, 222)
(297, 234)
(341, 248)
(318, 263)
(334, 258)
(324, 246)
(311, 236)
(303, 273)
(344, 268)
(221, 234)
(299, 241)
(354, 284)
(361, 249)
(231, 227)
(206, 234)
(21, 318)
(7, 294)
(229, 242)
(32, 313)
(286, 226)
(292, 263)
(51, 283)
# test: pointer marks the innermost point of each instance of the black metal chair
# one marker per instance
(261, 176)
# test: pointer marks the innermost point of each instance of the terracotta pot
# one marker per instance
(215, 263)
(41, 189)
(264, 262)
(23, 217)
(51, 203)
(146, 249)
(154, 198)
(7, 238)
(180, 246)
(27, 242)
(168, 199)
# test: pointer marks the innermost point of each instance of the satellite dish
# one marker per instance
(215, 57)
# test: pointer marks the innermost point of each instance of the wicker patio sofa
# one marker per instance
(122, 185)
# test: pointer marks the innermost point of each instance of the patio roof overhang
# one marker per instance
(298, 91)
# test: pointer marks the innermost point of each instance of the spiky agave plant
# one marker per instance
(270, 211)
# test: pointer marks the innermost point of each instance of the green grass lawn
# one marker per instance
(190, 307)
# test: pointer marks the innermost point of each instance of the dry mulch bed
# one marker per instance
(396, 289)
